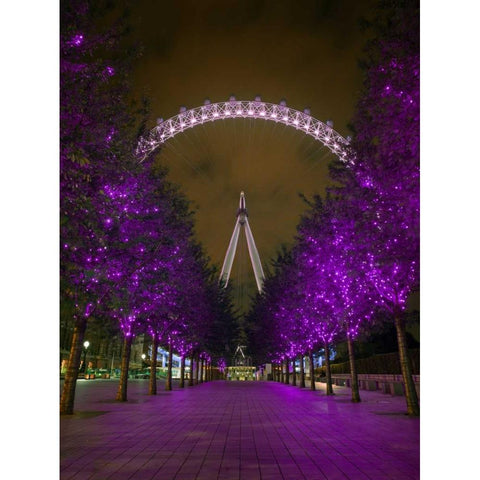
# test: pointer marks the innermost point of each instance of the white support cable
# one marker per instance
(254, 257)
(230, 255)
(242, 221)
(256, 109)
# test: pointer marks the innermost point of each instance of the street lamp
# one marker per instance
(86, 344)
(143, 360)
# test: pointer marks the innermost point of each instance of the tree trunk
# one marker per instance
(294, 372)
(329, 390)
(182, 372)
(287, 372)
(353, 371)
(190, 378)
(413, 408)
(202, 364)
(68, 393)
(122, 385)
(302, 372)
(152, 384)
(312, 373)
(282, 376)
(168, 384)
(197, 366)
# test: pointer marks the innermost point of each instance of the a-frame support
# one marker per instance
(242, 222)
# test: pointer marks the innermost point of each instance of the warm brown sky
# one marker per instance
(304, 51)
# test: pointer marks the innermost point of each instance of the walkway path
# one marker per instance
(236, 430)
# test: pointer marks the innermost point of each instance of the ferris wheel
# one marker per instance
(162, 137)
(210, 112)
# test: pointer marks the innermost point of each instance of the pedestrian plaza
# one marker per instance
(236, 430)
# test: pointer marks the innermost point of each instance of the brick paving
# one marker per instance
(236, 431)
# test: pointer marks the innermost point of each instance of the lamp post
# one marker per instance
(143, 360)
(86, 344)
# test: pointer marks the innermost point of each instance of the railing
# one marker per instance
(388, 384)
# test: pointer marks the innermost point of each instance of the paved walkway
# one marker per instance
(236, 430)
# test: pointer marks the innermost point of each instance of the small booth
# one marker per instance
(242, 368)
(241, 373)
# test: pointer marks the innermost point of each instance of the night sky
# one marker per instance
(305, 52)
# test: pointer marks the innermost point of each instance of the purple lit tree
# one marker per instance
(125, 232)
(220, 339)
(330, 240)
(161, 322)
(222, 365)
(269, 339)
(152, 266)
(313, 256)
(192, 300)
(133, 223)
(91, 149)
(165, 316)
(323, 327)
(319, 290)
(283, 330)
(382, 186)
(199, 311)
(183, 347)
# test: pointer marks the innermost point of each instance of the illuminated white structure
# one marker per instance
(210, 112)
(242, 222)
(256, 109)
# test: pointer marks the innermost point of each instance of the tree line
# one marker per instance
(127, 250)
(356, 253)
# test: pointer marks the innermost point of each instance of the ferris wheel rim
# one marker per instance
(234, 109)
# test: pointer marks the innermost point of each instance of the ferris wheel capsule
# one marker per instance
(330, 123)
(283, 103)
(159, 121)
(306, 111)
(206, 101)
(232, 98)
(258, 98)
(183, 109)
